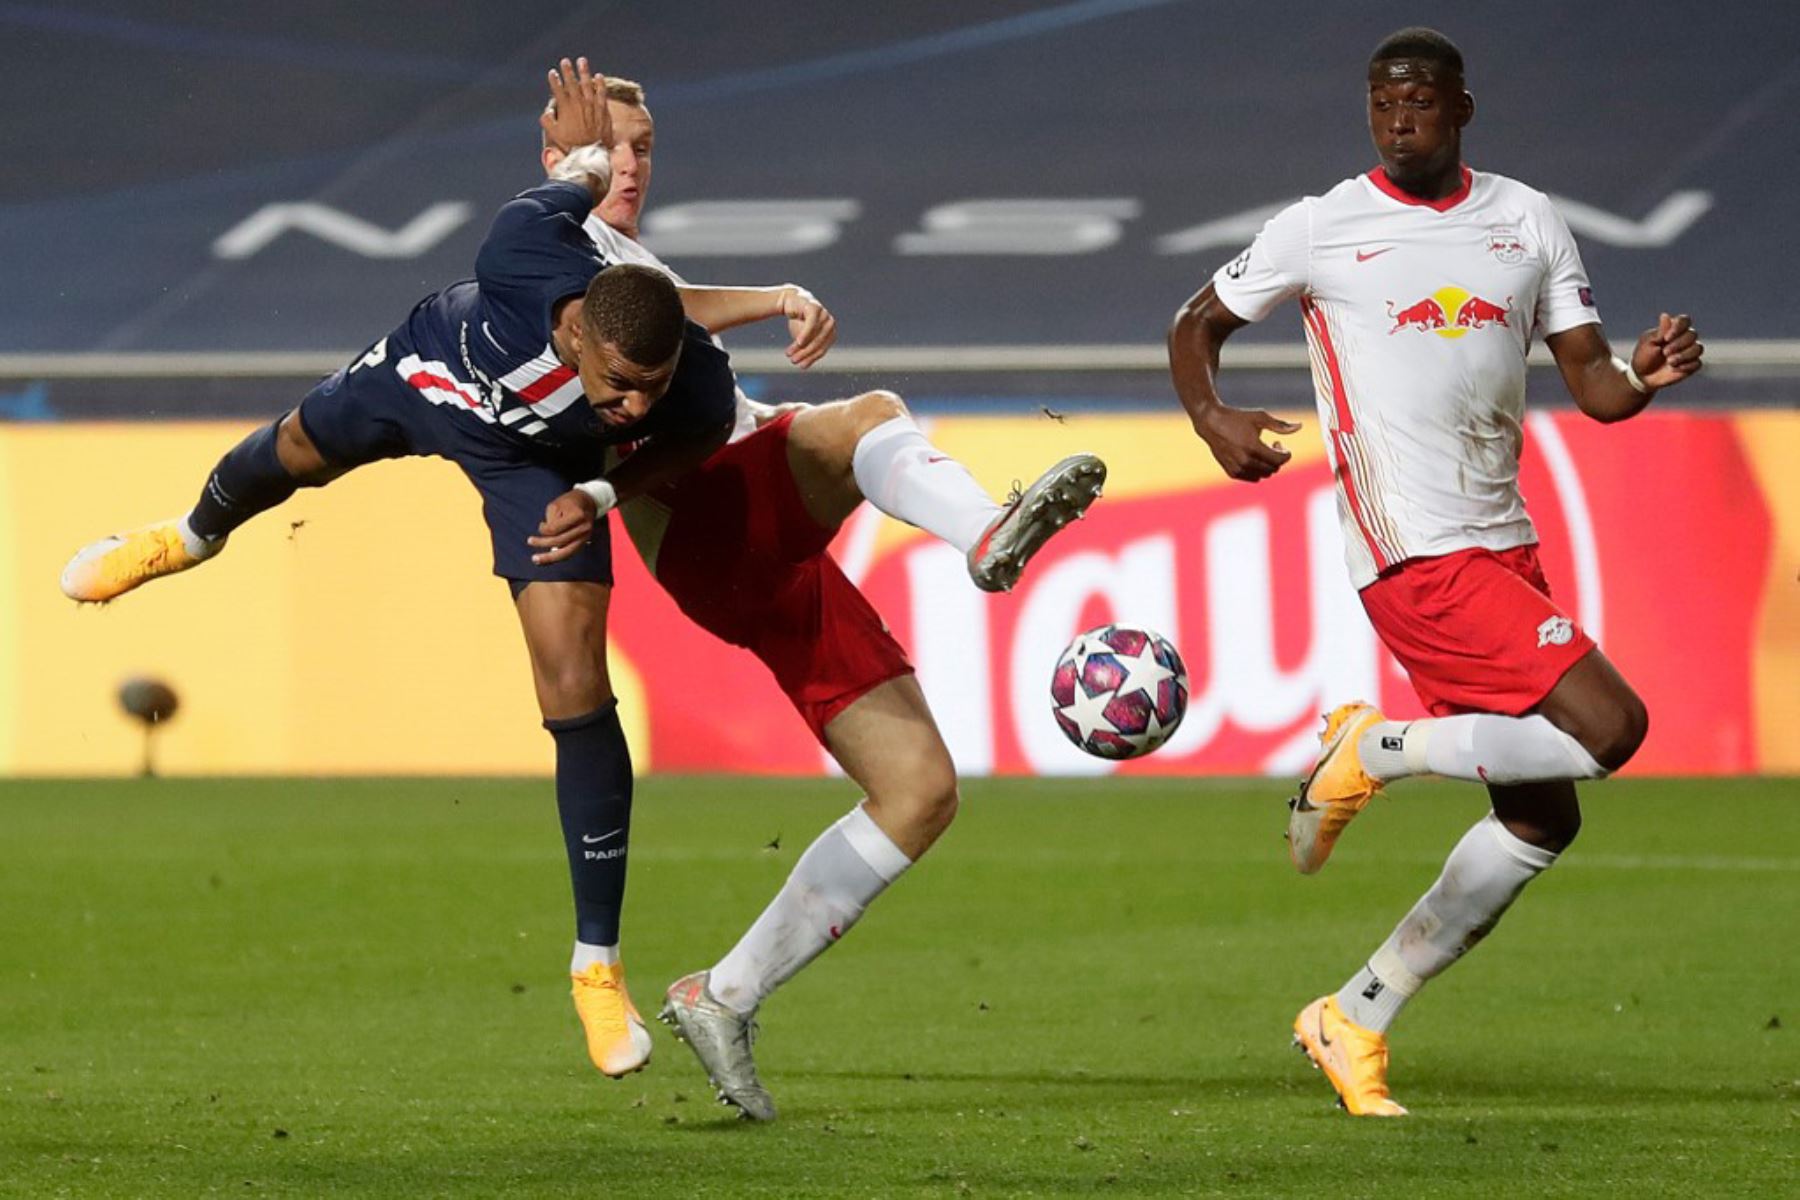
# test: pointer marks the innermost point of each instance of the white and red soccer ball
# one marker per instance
(1119, 692)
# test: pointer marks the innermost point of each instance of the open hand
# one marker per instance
(576, 114)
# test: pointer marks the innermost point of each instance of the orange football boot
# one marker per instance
(617, 1039)
(1337, 789)
(107, 569)
(1353, 1058)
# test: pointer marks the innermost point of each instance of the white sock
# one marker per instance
(1481, 878)
(199, 547)
(1478, 747)
(909, 479)
(849, 865)
(586, 955)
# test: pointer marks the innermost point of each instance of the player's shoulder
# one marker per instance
(1348, 199)
(1505, 189)
(615, 247)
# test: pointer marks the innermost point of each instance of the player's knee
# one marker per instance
(1552, 828)
(932, 799)
(942, 807)
(1569, 828)
(1622, 734)
(571, 688)
(1559, 829)
(298, 455)
(876, 408)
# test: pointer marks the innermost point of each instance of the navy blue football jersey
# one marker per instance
(482, 346)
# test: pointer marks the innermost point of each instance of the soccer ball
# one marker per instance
(1119, 692)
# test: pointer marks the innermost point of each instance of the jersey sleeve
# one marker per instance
(536, 253)
(1275, 267)
(1566, 300)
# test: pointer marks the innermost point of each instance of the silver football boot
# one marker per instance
(1060, 495)
(721, 1039)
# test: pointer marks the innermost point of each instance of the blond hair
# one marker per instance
(625, 91)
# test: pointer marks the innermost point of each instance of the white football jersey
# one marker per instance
(1418, 316)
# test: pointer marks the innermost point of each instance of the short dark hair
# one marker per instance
(1418, 42)
(636, 309)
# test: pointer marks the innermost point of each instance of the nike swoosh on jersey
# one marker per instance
(1365, 257)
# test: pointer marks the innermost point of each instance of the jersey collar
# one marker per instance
(1388, 187)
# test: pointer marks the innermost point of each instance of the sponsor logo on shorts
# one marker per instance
(1555, 631)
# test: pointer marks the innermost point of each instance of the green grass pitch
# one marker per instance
(358, 988)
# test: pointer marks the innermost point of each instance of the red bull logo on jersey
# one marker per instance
(1505, 244)
(1449, 312)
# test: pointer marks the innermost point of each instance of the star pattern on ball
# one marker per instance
(1088, 713)
(1087, 646)
(1142, 671)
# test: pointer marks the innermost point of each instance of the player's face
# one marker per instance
(634, 136)
(1416, 117)
(620, 390)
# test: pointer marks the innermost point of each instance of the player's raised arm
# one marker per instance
(1233, 435)
(1612, 389)
(810, 323)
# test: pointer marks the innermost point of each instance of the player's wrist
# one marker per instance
(1632, 379)
(590, 165)
(1204, 416)
(602, 493)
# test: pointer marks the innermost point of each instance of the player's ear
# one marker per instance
(1465, 109)
(550, 156)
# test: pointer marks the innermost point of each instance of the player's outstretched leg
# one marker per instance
(887, 742)
(258, 473)
(869, 447)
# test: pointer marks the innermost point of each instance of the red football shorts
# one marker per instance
(1476, 630)
(746, 562)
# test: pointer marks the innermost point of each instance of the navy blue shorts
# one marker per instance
(368, 414)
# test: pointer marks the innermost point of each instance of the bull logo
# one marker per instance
(1505, 244)
(1449, 312)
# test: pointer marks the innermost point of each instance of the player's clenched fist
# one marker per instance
(1669, 353)
(1235, 438)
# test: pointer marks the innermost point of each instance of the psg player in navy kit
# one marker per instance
(521, 376)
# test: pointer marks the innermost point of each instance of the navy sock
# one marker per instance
(248, 480)
(593, 796)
